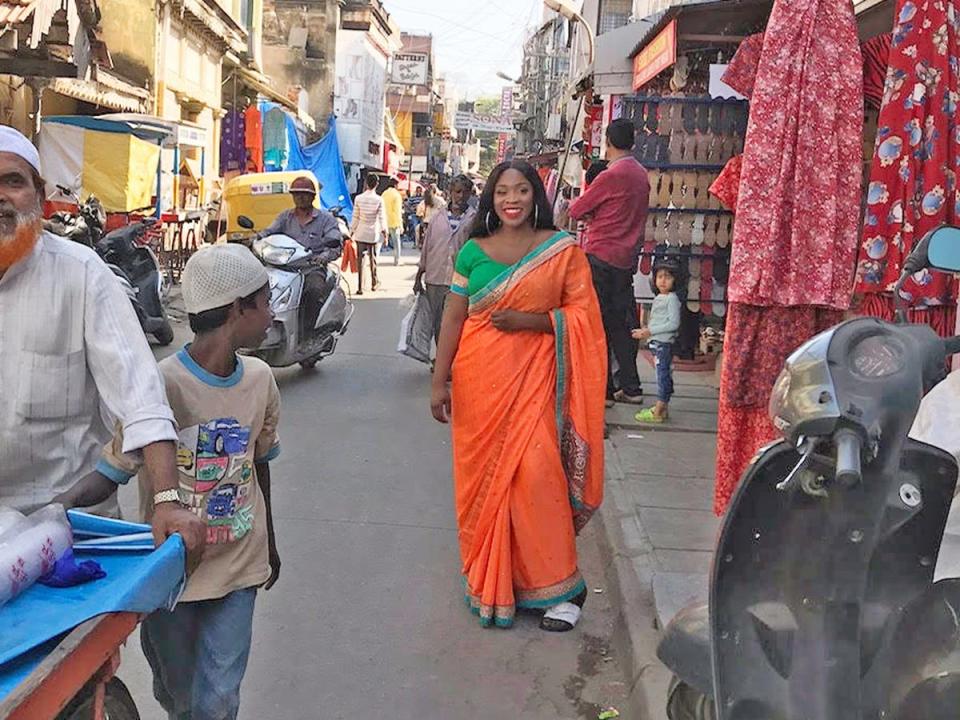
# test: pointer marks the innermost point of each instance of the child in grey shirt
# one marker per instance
(661, 331)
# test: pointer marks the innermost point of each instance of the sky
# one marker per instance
(472, 39)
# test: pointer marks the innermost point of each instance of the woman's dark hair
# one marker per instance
(428, 199)
(372, 181)
(210, 320)
(543, 208)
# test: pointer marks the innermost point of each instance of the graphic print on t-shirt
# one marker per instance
(215, 454)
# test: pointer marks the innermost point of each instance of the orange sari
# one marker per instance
(528, 414)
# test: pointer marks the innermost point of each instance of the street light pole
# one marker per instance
(564, 8)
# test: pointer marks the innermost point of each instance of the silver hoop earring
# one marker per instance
(487, 223)
(536, 216)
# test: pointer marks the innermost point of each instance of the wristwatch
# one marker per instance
(166, 496)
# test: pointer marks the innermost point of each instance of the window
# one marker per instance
(614, 14)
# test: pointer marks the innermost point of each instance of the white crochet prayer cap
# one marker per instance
(15, 142)
(217, 275)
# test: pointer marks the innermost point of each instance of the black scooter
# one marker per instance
(822, 602)
(137, 268)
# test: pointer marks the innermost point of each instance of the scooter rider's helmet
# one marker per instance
(303, 184)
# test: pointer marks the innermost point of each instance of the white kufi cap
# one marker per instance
(217, 275)
(15, 142)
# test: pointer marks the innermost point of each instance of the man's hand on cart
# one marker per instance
(172, 517)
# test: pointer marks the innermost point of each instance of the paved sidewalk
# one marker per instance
(659, 526)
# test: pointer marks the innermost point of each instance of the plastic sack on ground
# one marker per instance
(30, 547)
(416, 330)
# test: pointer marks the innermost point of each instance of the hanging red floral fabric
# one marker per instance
(913, 177)
(799, 201)
(797, 214)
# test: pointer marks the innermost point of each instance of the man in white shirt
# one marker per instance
(72, 359)
(368, 230)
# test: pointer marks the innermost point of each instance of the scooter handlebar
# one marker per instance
(848, 457)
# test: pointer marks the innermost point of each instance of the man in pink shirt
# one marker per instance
(616, 204)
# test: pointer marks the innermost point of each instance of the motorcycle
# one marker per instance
(288, 263)
(84, 227)
(822, 597)
(138, 270)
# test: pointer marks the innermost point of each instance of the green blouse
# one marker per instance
(474, 270)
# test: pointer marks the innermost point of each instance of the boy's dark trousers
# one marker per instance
(618, 307)
(663, 355)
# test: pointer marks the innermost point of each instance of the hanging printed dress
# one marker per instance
(912, 185)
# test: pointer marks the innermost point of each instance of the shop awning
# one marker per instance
(107, 91)
(705, 22)
(258, 82)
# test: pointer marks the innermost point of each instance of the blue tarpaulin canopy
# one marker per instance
(323, 159)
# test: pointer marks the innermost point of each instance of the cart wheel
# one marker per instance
(309, 364)
(118, 704)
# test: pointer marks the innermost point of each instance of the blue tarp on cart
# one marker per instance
(139, 579)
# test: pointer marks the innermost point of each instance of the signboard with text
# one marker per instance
(659, 54)
(410, 69)
(483, 123)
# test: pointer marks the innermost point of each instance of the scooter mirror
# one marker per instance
(943, 252)
(245, 222)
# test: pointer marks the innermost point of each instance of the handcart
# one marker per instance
(60, 647)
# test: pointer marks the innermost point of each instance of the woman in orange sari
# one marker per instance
(523, 337)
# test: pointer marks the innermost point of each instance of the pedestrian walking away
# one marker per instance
(660, 334)
(73, 353)
(393, 205)
(616, 205)
(523, 335)
(368, 230)
(448, 232)
(227, 409)
(427, 209)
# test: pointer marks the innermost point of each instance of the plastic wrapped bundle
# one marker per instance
(30, 547)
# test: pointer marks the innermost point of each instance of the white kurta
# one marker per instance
(72, 359)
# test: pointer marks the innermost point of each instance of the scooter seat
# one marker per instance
(685, 647)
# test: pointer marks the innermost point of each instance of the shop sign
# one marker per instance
(410, 69)
(659, 54)
(483, 123)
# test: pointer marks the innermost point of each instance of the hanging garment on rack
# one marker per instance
(742, 70)
(799, 195)
(876, 58)
(274, 139)
(912, 178)
(233, 154)
(727, 185)
(253, 138)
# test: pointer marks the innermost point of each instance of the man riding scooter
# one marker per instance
(316, 230)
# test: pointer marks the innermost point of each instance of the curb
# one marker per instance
(628, 569)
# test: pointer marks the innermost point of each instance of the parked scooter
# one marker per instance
(137, 268)
(822, 601)
(84, 227)
(287, 263)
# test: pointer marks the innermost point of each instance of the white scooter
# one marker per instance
(288, 262)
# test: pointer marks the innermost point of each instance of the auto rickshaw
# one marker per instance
(260, 197)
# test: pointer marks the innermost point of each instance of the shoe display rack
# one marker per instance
(685, 142)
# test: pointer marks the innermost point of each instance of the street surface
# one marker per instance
(368, 619)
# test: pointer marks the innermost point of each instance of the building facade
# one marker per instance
(299, 52)
(366, 42)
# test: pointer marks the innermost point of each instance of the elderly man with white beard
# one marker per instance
(72, 359)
